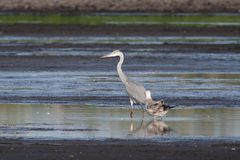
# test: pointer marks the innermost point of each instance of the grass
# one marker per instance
(175, 20)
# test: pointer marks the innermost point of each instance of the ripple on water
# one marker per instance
(95, 88)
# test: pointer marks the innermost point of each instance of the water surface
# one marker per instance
(86, 122)
(57, 87)
(68, 69)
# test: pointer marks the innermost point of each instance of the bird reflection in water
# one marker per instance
(152, 128)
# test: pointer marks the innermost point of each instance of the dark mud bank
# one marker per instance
(137, 149)
(170, 6)
(115, 30)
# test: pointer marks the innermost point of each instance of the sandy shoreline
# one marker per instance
(119, 149)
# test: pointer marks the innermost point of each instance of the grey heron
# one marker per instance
(137, 93)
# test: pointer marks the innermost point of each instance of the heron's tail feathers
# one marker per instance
(166, 106)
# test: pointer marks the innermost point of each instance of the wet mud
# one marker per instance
(119, 149)
(115, 30)
(170, 6)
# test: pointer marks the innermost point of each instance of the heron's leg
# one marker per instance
(141, 123)
(131, 112)
(131, 126)
(146, 106)
(143, 111)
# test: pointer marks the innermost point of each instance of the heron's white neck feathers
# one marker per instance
(148, 95)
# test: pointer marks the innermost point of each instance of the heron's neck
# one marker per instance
(122, 76)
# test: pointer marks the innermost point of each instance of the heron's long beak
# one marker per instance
(108, 55)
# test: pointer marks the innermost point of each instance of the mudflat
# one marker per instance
(115, 30)
(119, 149)
(35, 66)
(171, 6)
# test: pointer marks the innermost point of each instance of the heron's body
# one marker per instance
(135, 91)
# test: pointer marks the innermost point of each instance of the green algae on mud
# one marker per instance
(202, 20)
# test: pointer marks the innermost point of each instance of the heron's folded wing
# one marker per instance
(136, 91)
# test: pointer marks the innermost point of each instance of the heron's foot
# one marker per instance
(154, 118)
(157, 118)
(131, 114)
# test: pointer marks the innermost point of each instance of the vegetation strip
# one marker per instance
(167, 20)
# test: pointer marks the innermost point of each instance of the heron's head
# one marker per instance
(115, 53)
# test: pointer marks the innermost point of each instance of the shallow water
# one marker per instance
(105, 89)
(84, 122)
(130, 40)
(190, 72)
(46, 69)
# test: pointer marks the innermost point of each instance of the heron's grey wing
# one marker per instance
(136, 91)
